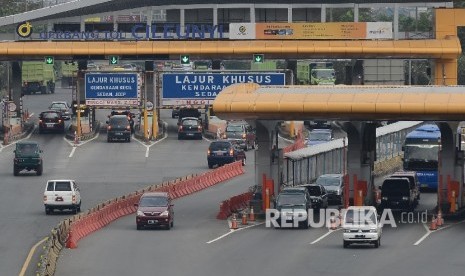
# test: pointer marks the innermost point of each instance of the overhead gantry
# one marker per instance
(356, 108)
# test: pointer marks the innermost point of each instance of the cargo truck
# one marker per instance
(37, 76)
(315, 73)
(68, 74)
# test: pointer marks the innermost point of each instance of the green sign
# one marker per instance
(48, 60)
(113, 60)
(258, 58)
(185, 59)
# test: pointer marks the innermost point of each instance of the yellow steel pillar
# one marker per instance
(291, 129)
(445, 72)
(154, 123)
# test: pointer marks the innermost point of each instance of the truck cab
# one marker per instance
(28, 156)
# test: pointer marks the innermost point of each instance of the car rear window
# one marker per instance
(62, 186)
(328, 181)
(58, 106)
(118, 121)
(234, 129)
(49, 115)
(189, 122)
(220, 146)
(50, 186)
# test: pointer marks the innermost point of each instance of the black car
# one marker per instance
(175, 112)
(51, 121)
(396, 193)
(190, 127)
(224, 152)
(334, 185)
(242, 134)
(118, 128)
(127, 113)
(290, 203)
(318, 195)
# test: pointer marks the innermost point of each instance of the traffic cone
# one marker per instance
(70, 242)
(251, 215)
(434, 225)
(440, 220)
(244, 219)
(234, 222)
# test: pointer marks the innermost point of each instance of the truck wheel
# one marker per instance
(346, 244)
(43, 90)
(39, 170)
(52, 88)
(16, 171)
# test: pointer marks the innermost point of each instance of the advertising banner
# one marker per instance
(201, 89)
(327, 30)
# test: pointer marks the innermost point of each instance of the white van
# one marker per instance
(361, 224)
(62, 194)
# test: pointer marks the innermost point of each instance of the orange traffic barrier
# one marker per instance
(440, 220)
(251, 214)
(244, 218)
(234, 222)
(453, 208)
(434, 225)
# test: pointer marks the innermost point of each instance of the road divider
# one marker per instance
(234, 205)
(69, 231)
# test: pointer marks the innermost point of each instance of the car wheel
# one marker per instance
(378, 243)
(210, 166)
(139, 227)
(16, 171)
(244, 162)
(168, 227)
(79, 207)
(48, 211)
(39, 169)
(75, 210)
(172, 223)
(346, 244)
(108, 139)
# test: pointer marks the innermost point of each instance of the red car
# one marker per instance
(154, 209)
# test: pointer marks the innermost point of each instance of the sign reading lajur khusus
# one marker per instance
(107, 89)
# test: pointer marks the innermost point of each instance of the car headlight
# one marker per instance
(373, 230)
(164, 214)
(405, 198)
(140, 213)
(346, 231)
(338, 192)
(384, 198)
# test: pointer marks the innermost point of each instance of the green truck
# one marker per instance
(315, 73)
(37, 77)
(269, 65)
(28, 156)
(68, 74)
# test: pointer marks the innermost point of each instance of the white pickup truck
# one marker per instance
(62, 194)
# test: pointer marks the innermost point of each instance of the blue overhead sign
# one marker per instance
(112, 89)
(201, 89)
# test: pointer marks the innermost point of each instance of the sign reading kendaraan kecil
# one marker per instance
(112, 89)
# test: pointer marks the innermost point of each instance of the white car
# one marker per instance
(62, 194)
(361, 224)
(62, 107)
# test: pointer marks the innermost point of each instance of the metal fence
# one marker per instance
(305, 165)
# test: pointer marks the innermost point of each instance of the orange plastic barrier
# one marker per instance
(83, 224)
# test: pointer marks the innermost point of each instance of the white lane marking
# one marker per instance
(71, 143)
(72, 152)
(206, 139)
(147, 150)
(324, 236)
(428, 232)
(29, 256)
(25, 138)
(232, 231)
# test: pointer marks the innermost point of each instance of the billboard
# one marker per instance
(310, 31)
(201, 89)
(112, 89)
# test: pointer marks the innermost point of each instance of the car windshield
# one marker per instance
(291, 199)
(328, 181)
(153, 201)
(361, 216)
(395, 187)
(220, 146)
(27, 148)
(314, 190)
(189, 122)
(58, 106)
(234, 129)
(320, 136)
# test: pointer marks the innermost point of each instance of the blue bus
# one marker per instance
(421, 154)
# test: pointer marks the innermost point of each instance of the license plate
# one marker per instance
(118, 133)
(152, 221)
(49, 125)
(190, 134)
(360, 236)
